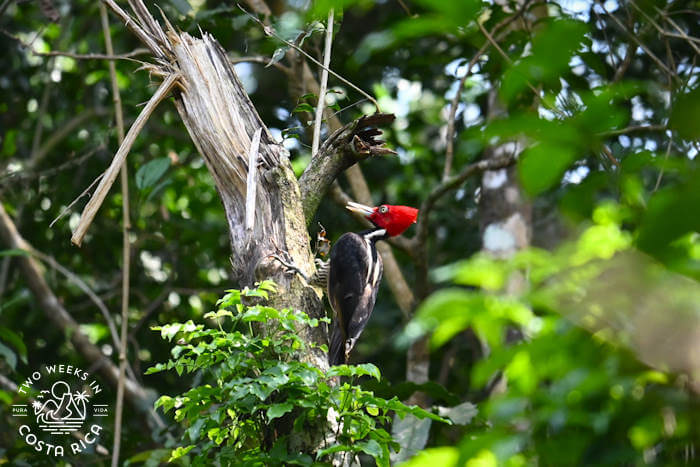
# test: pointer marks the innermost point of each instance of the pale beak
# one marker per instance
(360, 208)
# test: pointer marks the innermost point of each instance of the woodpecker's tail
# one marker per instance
(336, 351)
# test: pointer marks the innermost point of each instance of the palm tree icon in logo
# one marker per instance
(63, 412)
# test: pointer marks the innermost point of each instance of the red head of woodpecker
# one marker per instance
(356, 272)
(394, 219)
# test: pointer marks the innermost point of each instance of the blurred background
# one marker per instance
(559, 296)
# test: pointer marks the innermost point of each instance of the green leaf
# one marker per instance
(278, 410)
(148, 174)
(179, 452)
(435, 457)
(303, 107)
(333, 449)
(541, 166)
(370, 447)
(685, 114)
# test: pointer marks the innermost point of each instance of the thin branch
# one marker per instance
(343, 148)
(77, 56)
(126, 246)
(681, 34)
(634, 129)
(111, 173)
(25, 175)
(450, 184)
(449, 150)
(94, 56)
(258, 59)
(508, 60)
(320, 105)
(80, 196)
(94, 298)
(661, 172)
(270, 32)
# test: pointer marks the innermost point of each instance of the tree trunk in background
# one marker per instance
(505, 216)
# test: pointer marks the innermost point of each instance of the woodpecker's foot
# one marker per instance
(320, 277)
(291, 268)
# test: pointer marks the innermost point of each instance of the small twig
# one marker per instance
(94, 56)
(258, 59)
(94, 298)
(451, 183)
(634, 129)
(324, 83)
(38, 131)
(24, 175)
(77, 56)
(68, 208)
(270, 32)
(111, 173)
(252, 181)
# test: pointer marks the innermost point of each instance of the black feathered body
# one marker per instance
(353, 281)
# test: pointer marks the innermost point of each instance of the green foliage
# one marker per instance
(575, 394)
(262, 402)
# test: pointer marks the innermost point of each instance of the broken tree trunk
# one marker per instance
(266, 208)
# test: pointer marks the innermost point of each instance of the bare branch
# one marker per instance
(111, 173)
(126, 246)
(450, 184)
(270, 32)
(258, 59)
(324, 83)
(94, 56)
(347, 145)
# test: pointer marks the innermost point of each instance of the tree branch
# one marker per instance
(324, 83)
(450, 184)
(111, 173)
(126, 246)
(346, 146)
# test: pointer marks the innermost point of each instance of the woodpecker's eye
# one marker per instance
(383, 209)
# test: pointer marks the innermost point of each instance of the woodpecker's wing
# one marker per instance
(355, 273)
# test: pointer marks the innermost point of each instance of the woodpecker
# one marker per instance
(356, 272)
